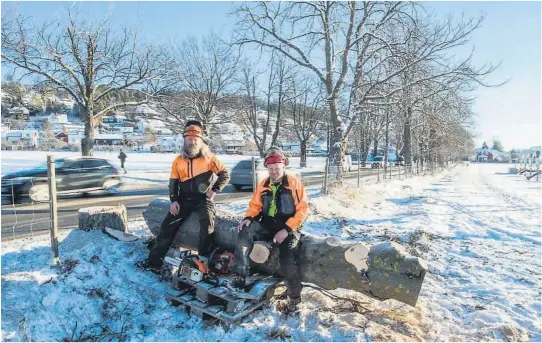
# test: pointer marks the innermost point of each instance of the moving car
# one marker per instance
(73, 175)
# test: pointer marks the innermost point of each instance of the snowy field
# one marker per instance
(143, 168)
(478, 228)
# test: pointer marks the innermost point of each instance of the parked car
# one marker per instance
(356, 159)
(377, 162)
(400, 161)
(73, 175)
(241, 173)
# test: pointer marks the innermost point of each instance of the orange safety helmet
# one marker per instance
(193, 128)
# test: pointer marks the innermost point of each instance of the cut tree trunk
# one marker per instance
(383, 271)
(99, 218)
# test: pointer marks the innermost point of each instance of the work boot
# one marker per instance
(146, 265)
(288, 306)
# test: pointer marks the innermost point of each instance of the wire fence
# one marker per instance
(23, 202)
(375, 172)
(29, 205)
(529, 167)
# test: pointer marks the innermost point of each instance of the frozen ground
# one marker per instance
(478, 228)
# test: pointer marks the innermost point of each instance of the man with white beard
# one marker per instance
(190, 190)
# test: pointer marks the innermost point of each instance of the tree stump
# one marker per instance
(98, 218)
(382, 271)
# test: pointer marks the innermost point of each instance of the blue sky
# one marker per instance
(511, 33)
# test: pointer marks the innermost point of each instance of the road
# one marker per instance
(23, 220)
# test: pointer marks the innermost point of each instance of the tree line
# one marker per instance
(366, 74)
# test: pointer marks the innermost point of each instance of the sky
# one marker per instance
(510, 35)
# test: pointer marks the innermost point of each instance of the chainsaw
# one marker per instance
(197, 268)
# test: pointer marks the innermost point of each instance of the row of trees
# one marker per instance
(371, 72)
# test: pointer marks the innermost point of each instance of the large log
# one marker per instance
(114, 217)
(383, 271)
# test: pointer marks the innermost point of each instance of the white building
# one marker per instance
(25, 138)
(486, 155)
(74, 137)
(19, 112)
(57, 118)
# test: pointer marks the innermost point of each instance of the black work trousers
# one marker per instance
(288, 255)
(170, 226)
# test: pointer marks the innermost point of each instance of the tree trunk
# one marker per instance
(338, 142)
(114, 217)
(87, 143)
(383, 271)
(303, 161)
(387, 141)
(375, 147)
(407, 137)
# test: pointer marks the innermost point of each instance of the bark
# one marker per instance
(303, 161)
(98, 218)
(387, 142)
(408, 138)
(383, 271)
(87, 143)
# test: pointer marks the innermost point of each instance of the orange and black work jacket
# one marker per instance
(290, 201)
(192, 177)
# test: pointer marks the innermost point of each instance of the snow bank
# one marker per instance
(478, 228)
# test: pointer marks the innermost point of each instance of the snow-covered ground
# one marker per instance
(478, 228)
(144, 169)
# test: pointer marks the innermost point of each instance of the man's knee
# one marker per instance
(248, 233)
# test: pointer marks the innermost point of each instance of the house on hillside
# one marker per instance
(22, 138)
(75, 137)
(20, 113)
(233, 144)
(58, 118)
(62, 136)
(491, 155)
(108, 139)
(114, 120)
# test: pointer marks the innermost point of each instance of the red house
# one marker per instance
(63, 137)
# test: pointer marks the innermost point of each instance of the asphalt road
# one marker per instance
(23, 220)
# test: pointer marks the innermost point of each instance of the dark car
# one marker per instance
(356, 160)
(73, 175)
(241, 173)
(377, 162)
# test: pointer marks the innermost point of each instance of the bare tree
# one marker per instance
(205, 71)
(264, 125)
(307, 111)
(357, 50)
(308, 32)
(89, 62)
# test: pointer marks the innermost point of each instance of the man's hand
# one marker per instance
(174, 208)
(280, 236)
(210, 195)
(245, 222)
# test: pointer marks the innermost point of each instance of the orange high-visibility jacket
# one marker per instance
(291, 200)
(191, 176)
